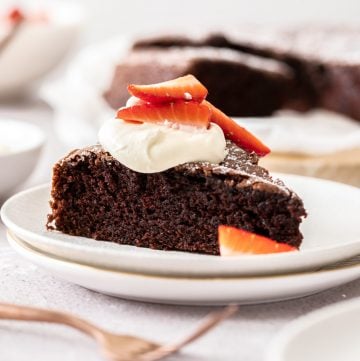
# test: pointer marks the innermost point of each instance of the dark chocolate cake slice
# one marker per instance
(94, 195)
(240, 84)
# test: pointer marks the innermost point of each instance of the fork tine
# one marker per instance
(210, 321)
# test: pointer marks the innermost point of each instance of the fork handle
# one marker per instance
(25, 313)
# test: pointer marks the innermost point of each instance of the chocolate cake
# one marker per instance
(324, 60)
(94, 195)
(238, 83)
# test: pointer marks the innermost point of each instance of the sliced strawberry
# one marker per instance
(235, 241)
(183, 88)
(233, 131)
(186, 113)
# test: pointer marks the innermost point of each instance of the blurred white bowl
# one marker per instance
(37, 47)
(20, 147)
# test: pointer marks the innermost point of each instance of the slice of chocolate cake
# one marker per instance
(94, 195)
(240, 84)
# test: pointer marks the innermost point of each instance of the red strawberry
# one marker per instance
(233, 131)
(183, 88)
(15, 15)
(186, 113)
(235, 241)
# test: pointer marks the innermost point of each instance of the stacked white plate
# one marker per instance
(328, 255)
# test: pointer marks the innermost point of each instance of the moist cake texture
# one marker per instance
(94, 195)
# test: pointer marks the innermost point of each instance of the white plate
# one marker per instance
(183, 290)
(331, 232)
(330, 334)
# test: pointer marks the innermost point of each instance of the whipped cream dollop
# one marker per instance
(151, 148)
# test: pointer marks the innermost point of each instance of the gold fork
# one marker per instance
(115, 347)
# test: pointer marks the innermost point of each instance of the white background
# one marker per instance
(108, 17)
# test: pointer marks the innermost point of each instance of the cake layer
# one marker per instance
(239, 84)
(95, 196)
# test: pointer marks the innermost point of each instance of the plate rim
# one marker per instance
(277, 346)
(216, 260)
(32, 249)
(239, 291)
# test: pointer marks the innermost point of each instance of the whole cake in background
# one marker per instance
(173, 172)
(238, 83)
(303, 68)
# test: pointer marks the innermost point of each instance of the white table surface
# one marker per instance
(244, 337)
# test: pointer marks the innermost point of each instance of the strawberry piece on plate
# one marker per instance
(236, 241)
(233, 131)
(185, 113)
(183, 88)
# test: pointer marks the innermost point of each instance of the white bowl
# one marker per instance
(20, 147)
(37, 47)
(329, 334)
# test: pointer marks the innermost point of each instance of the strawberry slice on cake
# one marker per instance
(183, 88)
(170, 100)
(237, 134)
(236, 241)
(184, 113)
